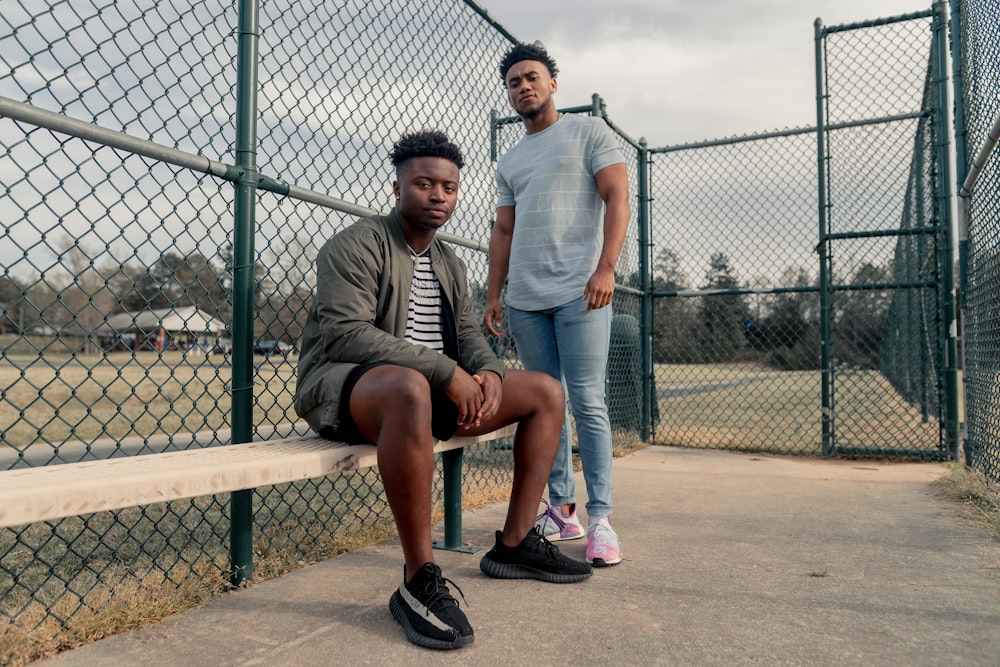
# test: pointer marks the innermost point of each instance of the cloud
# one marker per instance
(677, 71)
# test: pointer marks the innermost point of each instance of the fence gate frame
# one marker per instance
(940, 226)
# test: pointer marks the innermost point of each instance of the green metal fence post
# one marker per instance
(597, 106)
(826, 358)
(452, 476)
(645, 285)
(241, 502)
(943, 186)
(924, 363)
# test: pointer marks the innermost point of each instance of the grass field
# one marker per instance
(50, 400)
(752, 408)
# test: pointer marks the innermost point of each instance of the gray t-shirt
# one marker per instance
(559, 214)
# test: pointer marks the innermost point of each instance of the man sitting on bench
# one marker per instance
(392, 354)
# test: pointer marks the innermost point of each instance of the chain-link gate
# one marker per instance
(886, 296)
(749, 335)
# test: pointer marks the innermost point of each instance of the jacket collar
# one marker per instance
(395, 226)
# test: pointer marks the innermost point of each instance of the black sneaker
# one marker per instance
(534, 558)
(428, 612)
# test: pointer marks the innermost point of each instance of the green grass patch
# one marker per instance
(748, 407)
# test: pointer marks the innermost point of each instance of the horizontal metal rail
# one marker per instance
(513, 120)
(875, 233)
(745, 291)
(981, 159)
(64, 124)
(789, 133)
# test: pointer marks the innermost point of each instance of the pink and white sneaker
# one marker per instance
(555, 527)
(602, 543)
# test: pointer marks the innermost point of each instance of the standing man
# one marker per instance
(561, 220)
(392, 354)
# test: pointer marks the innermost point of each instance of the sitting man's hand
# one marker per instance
(492, 391)
(467, 394)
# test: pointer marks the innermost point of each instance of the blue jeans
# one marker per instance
(570, 343)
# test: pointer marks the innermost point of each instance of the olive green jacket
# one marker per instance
(363, 277)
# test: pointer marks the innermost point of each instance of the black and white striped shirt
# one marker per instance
(423, 322)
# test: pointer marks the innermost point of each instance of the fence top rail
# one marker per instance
(734, 140)
(791, 132)
(873, 23)
(73, 127)
(482, 11)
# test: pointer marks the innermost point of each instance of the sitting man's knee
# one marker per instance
(550, 392)
(407, 387)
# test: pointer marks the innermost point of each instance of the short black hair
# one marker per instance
(426, 143)
(520, 52)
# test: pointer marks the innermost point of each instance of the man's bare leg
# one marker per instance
(391, 406)
(534, 401)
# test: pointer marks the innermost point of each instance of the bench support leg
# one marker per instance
(452, 463)
(241, 537)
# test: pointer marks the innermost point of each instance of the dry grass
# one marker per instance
(970, 488)
(130, 602)
(750, 409)
(62, 398)
(58, 620)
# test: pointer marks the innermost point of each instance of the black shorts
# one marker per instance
(444, 412)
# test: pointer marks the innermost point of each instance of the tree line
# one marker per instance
(76, 296)
(779, 328)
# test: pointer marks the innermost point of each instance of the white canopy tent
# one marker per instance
(183, 328)
(189, 319)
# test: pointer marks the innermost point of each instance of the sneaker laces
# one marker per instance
(542, 544)
(436, 590)
(553, 514)
(547, 513)
(600, 536)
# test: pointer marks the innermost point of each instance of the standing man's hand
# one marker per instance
(600, 288)
(492, 317)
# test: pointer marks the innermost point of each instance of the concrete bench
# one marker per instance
(30, 495)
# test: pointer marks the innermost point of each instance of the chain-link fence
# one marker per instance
(155, 282)
(120, 287)
(976, 52)
(735, 314)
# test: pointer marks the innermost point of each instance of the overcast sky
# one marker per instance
(676, 71)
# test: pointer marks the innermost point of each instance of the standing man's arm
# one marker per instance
(612, 184)
(500, 240)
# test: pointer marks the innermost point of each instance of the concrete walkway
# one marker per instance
(730, 559)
